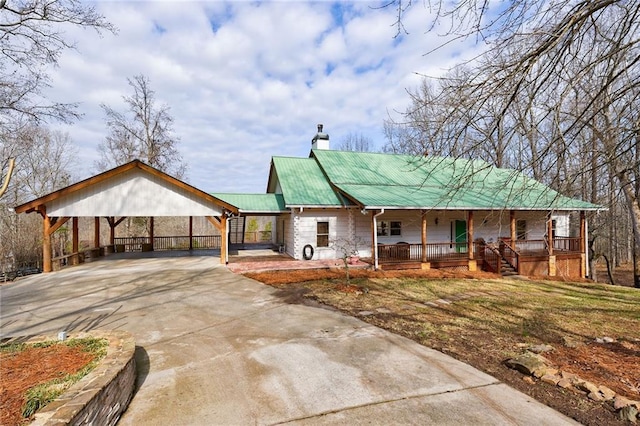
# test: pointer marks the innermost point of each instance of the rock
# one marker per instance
(620, 402)
(565, 383)
(529, 380)
(552, 379)
(529, 363)
(569, 376)
(538, 349)
(585, 386)
(384, 310)
(606, 393)
(628, 413)
(365, 313)
(595, 396)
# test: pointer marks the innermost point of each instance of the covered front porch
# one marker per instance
(528, 243)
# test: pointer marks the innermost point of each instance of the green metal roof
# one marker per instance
(254, 203)
(303, 183)
(401, 181)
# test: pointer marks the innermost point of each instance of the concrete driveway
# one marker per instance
(218, 348)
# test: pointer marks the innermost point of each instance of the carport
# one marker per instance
(134, 189)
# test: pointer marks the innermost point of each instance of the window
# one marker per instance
(386, 228)
(322, 233)
(521, 229)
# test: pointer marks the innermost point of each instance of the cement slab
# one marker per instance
(217, 348)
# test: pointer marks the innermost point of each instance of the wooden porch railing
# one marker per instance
(199, 242)
(403, 252)
(509, 254)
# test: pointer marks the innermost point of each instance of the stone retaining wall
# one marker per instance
(103, 395)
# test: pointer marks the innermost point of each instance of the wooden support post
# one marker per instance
(512, 227)
(96, 232)
(112, 230)
(424, 236)
(374, 238)
(74, 235)
(583, 244)
(190, 232)
(46, 242)
(224, 246)
(221, 225)
(151, 231)
(550, 234)
(470, 233)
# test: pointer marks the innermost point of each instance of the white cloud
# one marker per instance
(246, 81)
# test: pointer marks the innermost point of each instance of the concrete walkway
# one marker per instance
(216, 348)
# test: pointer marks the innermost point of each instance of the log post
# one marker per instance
(550, 234)
(74, 235)
(470, 234)
(190, 232)
(46, 241)
(224, 241)
(512, 227)
(96, 232)
(151, 231)
(424, 236)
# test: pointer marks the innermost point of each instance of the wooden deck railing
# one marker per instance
(509, 254)
(403, 252)
(199, 242)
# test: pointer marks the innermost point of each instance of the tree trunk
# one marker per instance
(634, 207)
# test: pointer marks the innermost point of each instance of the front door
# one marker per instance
(461, 236)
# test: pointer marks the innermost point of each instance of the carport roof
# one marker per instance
(118, 183)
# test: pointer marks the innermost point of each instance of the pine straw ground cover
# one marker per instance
(32, 375)
(483, 320)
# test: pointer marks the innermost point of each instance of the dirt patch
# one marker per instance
(483, 321)
(24, 369)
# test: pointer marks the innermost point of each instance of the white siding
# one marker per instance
(131, 194)
(305, 231)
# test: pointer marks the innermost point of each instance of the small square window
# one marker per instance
(383, 228)
(387, 228)
(322, 233)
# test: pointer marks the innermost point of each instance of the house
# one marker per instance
(400, 211)
(427, 212)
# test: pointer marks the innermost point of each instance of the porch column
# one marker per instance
(224, 240)
(96, 232)
(550, 234)
(470, 234)
(583, 244)
(190, 232)
(512, 227)
(424, 236)
(74, 235)
(151, 231)
(374, 239)
(112, 229)
(46, 242)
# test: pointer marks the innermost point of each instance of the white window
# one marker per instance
(389, 228)
(322, 234)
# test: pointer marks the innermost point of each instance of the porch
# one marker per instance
(522, 257)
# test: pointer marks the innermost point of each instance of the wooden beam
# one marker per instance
(75, 236)
(56, 223)
(215, 222)
(550, 234)
(96, 232)
(190, 232)
(151, 230)
(424, 236)
(512, 226)
(373, 237)
(224, 240)
(470, 233)
(46, 240)
(112, 230)
(583, 232)
(119, 221)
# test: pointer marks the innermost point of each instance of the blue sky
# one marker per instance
(249, 80)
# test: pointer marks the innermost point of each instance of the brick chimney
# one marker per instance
(320, 140)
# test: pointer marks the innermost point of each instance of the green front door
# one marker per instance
(461, 236)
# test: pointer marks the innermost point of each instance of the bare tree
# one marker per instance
(32, 38)
(560, 78)
(356, 142)
(44, 163)
(144, 132)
